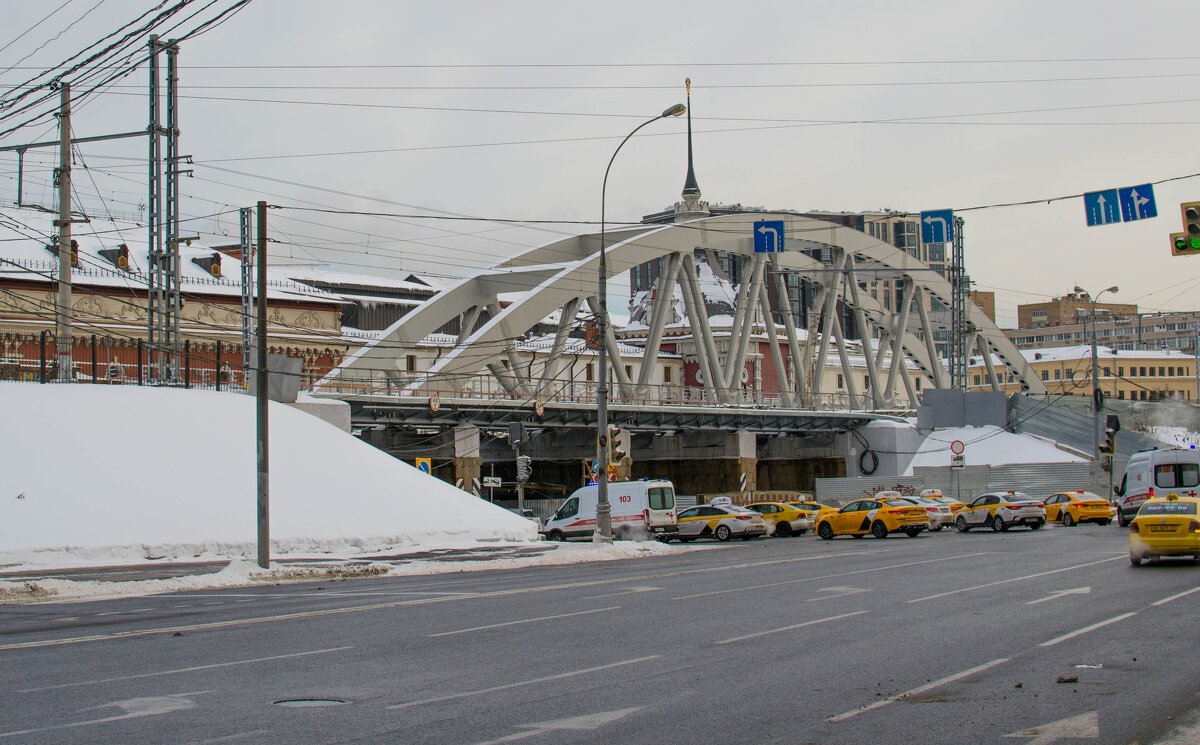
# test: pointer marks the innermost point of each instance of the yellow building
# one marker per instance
(1138, 375)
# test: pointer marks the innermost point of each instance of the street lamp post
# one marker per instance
(1096, 406)
(603, 532)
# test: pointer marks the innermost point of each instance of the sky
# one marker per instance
(511, 112)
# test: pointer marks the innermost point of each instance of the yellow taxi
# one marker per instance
(875, 516)
(1167, 526)
(782, 519)
(1001, 511)
(1079, 506)
(814, 509)
(937, 496)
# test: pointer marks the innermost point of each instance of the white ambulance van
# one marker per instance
(639, 510)
(1156, 473)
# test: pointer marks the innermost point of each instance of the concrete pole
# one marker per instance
(264, 471)
(64, 234)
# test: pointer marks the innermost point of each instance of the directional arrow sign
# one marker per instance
(768, 236)
(1101, 207)
(1061, 593)
(1137, 202)
(584, 723)
(836, 592)
(1081, 725)
(937, 226)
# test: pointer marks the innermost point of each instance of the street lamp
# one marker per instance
(1096, 405)
(603, 532)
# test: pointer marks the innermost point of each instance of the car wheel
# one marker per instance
(1035, 526)
(878, 529)
(825, 530)
(663, 538)
(960, 523)
(998, 524)
(723, 533)
(912, 532)
(686, 539)
(1121, 521)
(1068, 521)
(934, 530)
(782, 529)
(1135, 559)
(556, 535)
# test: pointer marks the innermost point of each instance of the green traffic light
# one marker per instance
(1181, 244)
(1195, 244)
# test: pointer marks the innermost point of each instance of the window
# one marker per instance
(1171, 372)
(840, 384)
(1121, 395)
(1152, 372)
(666, 375)
(1120, 372)
(569, 509)
(1045, 375)
(976, 380)
(410, 363)
(629, 371)
(1162, 371)
(1107, 372)
(591, 372)
(1143, 373)
(1057, 374)
(1175, 475)
(918, 384)
(661, 498)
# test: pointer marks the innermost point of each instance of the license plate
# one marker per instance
(1162, 528)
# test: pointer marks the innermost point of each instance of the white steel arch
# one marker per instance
(562, 275)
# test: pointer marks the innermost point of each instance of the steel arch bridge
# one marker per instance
(561, 276)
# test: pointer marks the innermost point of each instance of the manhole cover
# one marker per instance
(306, 702)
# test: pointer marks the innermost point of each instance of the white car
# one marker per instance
(720, 521)
(1001, 511)
(940, 514)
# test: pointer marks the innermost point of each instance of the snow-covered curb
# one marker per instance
(243, 572)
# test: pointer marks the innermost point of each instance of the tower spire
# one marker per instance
(690, 187)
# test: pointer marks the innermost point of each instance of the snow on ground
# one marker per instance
(111, 474)
(987, 446)
(1180, 437)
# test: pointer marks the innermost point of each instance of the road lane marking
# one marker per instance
(1061, 593)
(524, 620)
(630, 591)
(134, 708)
(184, 670)
(918, 690)
(238, 622)
(772, 585)
(533, 681)
(1013, 579)
(1086, 629)
(1176, 596)
(585, 723)
(789, 628)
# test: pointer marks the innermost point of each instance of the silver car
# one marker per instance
(940, 514)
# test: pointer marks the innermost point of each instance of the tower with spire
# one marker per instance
(690, 207)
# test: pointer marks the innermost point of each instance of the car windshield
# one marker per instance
(661, 497)
(898, 502)
(1168, 508)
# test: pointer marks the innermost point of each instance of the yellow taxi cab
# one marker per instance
(1078, 506)
(875, 516)
(782, 519)
(937, 496)
(1167, 526)
(1001, 511)
(814, 509)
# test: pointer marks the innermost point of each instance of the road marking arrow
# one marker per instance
(1061, 593)
(1080, 725)
(586, 722)
(837, 593)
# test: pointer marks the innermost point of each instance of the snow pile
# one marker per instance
(987, 446)
(122, 473)
(1180, 437)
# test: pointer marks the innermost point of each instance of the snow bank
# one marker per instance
(123, 473)
(987, 446)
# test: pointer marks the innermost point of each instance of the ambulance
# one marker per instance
(1155, 473)
(639, 510)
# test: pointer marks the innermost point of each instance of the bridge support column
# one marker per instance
(747, 450)
(467, 461)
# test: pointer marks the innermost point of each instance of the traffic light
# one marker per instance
(524, 467)
(618, 444)
(1112, 427)
(1187, 243)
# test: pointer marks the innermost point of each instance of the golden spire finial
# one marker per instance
(688, 83)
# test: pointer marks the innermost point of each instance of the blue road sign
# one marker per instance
(1137, 202)
(937, 226)
(424, 465)
(595, 465)
(768, 236)
(1101, 207)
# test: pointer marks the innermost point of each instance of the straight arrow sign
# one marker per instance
(1060, 594)
(1079, 726)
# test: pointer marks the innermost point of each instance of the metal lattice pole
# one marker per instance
(958, 311)
(247, 292)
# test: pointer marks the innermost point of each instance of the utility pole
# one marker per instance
(264, 473)
(65, 252)
(959, 297)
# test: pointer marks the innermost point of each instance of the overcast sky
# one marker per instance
(511, 110)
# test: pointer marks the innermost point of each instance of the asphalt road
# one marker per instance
(945, 638)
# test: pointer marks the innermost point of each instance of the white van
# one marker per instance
(1152, 473)
(639, 510)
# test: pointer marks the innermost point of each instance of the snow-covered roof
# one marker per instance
(987, 446)
(1083, 352)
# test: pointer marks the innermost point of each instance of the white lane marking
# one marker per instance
(1085, 725)
(1176, 596)
(67, 618)
(184, 670)
(838, 592)
(533, 681)
(228, 738)
(1013, 579)
(918, 690)
(772, 585)
(584, 723)
(1062, 593)
(789, 628)
(133, 708)
(1086, 629)
(630, 591)
(524, 620)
